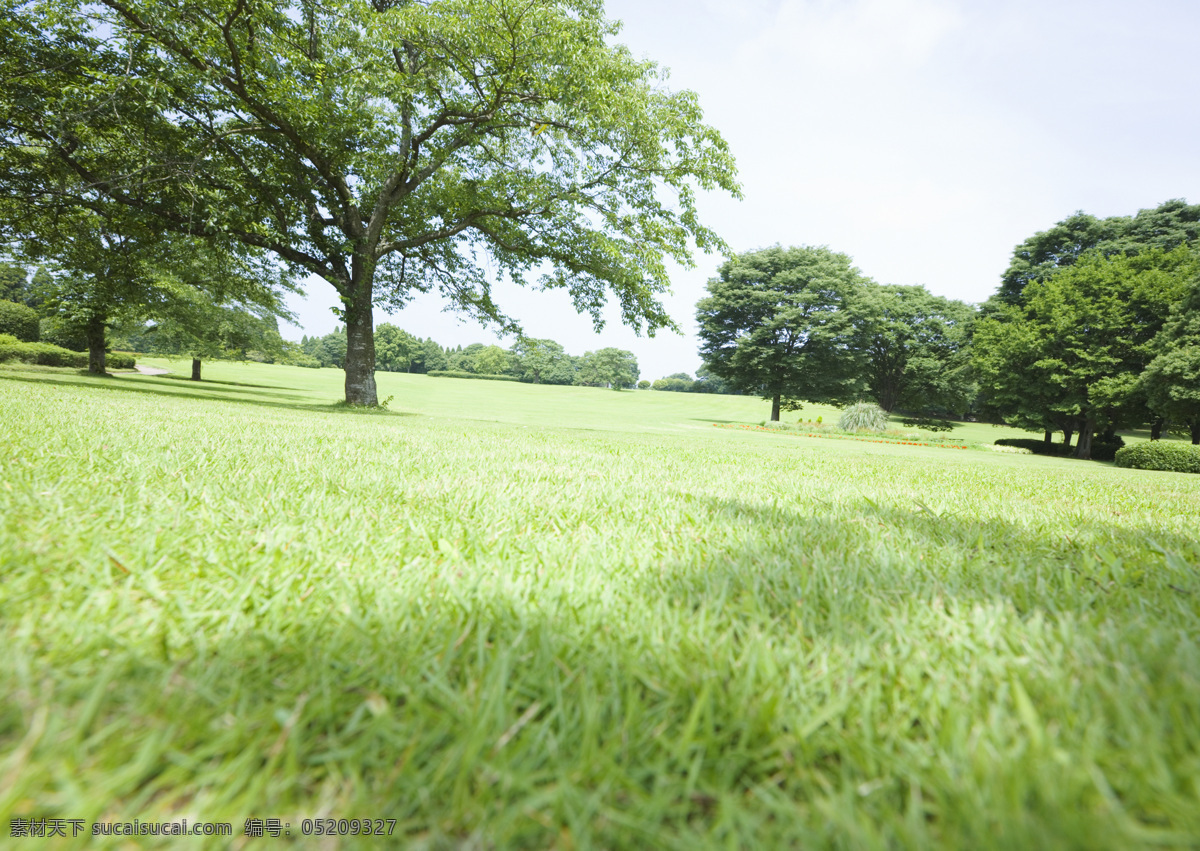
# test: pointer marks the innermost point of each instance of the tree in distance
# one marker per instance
(381, 146)
(395, 349)
(776, 323)
(615, 368)
(195, 325)
(914, 348)
(543, 362)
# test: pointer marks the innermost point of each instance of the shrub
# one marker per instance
(120, 360)
(1160, 455)
(457, 373)
(42, 354)
(19, 321)
(643, 385)
(865, 416)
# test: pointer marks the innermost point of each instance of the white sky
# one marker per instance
(924, 138)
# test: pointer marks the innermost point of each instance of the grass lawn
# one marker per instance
(508, 616)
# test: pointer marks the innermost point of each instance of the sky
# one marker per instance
(924, 138)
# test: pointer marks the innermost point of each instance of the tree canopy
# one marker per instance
(1074, 351)
(775, 324)
(914, 347)
(381, 146)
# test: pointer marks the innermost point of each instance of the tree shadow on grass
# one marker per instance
(834, 559)
(176, 388)
(208, 381)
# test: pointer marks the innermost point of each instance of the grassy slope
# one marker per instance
(564, 617)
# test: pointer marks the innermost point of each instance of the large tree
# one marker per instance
(1172, 380)
(383, 146)
(776, 323)
(914, 347)
(1077, 346)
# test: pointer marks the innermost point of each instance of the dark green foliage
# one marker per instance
(454, 373)
(395, 349)
(928, 424)
(19, 321)
(775, 323)
(1037, 447)
(48, 354)
(1105, 450)
(58, 331)
(913, 347)
(1165, 227)
(13, 282)
(42, 354)
(1160, 455)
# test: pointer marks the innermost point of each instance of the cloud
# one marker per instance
(857, 37)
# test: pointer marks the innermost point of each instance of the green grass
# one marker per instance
(510, 616)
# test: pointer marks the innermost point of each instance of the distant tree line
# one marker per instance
(1095, 327)
(534, 361)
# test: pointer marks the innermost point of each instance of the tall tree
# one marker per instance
(1172, 380)
(1075, 349)
(776, 323)
(914, 347)
(380, 145)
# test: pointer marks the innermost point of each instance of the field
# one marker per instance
(508, 616)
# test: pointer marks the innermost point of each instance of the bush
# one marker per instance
(456, 373)
(19, 321)
(865, 416)
(1160, 455)
(643, 385)
(42, 354)
(120, 360)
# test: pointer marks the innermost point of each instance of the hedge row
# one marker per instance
(1101, 450)
(1037, 447)
(454, 373)
(48, 354)
(1160, 455)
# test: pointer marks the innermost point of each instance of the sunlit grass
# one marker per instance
(514, 616)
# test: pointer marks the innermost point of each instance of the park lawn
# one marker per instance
(510, 616)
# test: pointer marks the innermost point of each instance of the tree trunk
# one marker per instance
(195, 369)
(1156, 428)
(94, 332)
(1068, 436)
(1195, 426)
(1085, 439)
(775, 408)
(1048, 438)
(360, 337)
